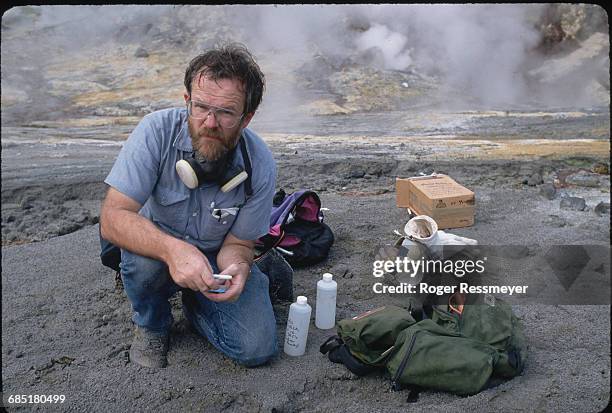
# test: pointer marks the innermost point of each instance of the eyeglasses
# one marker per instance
(226, 118)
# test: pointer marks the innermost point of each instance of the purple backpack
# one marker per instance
(297, 229)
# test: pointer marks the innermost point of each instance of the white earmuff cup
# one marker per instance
(235, 181)
(187, 174)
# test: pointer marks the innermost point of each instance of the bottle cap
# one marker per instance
(301, 300)
(327, 277)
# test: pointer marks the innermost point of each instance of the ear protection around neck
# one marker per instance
(194, 173)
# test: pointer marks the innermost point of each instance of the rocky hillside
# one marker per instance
(113, 63)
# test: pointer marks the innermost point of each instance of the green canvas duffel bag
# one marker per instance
(430, 356)
(460, 349)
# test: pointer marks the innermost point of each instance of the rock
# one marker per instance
(355, 171)
(564, 23)
(82, 217)
(548, 191)
(53, 228)
(573, 203)
(535, 179)
(564, 72)
(62, 87)
(27, 204)
(379, 168)
(69, 228)
(603, 208)
(555, 70)
(583, 178)
(556, 221)
(341, 271)
(523, 173)
(141, 52)
(601, 168)
(324, 107)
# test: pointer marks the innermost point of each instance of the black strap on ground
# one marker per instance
(413, 396)
(338, 352)
(344, 356)
(330, 344)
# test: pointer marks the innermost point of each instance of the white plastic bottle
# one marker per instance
(297, 327)
(325, 313)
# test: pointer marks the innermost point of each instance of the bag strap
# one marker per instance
(269, 244)
(330, 344)
(248, 187)
(248, 190)
(337, 352)
(413, 395)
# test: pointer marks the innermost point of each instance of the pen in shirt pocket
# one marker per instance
(220, 213)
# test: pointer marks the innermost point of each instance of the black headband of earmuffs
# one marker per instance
(194, 173)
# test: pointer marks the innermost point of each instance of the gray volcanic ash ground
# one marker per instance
(512, 101)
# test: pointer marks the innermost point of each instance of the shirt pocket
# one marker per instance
(215, 229)
(170, 208)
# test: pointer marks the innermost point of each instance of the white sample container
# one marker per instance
(325, 313)
(297, 327)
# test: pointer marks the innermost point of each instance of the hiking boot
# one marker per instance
(149, 349)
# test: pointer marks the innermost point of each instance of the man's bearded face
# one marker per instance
(210, 141)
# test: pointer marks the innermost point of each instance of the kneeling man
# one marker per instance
(190, 192)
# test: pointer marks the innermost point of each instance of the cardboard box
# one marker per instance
(438, 196)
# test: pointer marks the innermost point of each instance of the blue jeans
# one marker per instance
(244, 330)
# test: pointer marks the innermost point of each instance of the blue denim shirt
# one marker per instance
(145, 171)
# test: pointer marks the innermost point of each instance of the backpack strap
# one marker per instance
(337, 351)
(248, 190)
(269, 244)
(248, 187)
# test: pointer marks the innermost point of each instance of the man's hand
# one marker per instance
(121, 225)
(234, 258)
(189, 268)
(240, 273)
